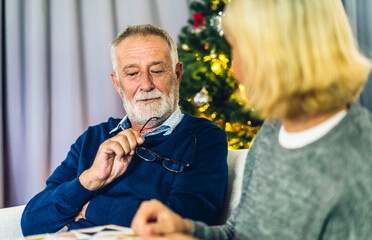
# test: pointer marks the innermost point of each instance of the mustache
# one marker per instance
(148, 95)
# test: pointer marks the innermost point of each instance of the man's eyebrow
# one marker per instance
(136, 66)
(129, 66)
(123, 69)
(156, 63)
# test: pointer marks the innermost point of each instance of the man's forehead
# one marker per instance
(135, 51)
(139, 40)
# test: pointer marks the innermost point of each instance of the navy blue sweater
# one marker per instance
(196, 193)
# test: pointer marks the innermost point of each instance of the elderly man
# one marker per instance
(155, 151)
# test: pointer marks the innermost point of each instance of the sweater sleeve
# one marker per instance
(203, 231)
(119, 211)
(61, 200)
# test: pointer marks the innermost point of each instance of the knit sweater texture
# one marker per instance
(320, 191)
(197, 192)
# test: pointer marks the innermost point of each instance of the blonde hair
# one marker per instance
(299, 58)
(144, 30)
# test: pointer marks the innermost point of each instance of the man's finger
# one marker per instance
(116, 148)
(130, 139)
(139, 137)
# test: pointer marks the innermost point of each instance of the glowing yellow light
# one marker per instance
(230, 72)
(214, 115)
(207, 58)
(204, 90)
(189, 99)
(223, 58)
(215, 4)
(197, 56)
(249, 122)
(204, 108)
(242, 92)
(185, 47)
(216, 68)
(228, 127)
(241, 88)
(213, 55)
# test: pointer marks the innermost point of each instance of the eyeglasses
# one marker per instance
(169, 164)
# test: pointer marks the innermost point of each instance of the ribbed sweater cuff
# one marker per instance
(73, 195)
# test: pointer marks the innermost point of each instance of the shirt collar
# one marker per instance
(166, 127)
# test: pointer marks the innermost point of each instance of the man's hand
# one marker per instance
(81, 214)
(153, 218)
(112, 159)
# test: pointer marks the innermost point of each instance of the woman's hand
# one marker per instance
(153, 219)
(171, 236)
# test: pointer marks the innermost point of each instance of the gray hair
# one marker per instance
(143, 30)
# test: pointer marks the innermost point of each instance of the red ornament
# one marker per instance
(198, 19)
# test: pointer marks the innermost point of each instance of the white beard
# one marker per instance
(139, 113)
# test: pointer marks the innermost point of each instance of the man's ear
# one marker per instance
(115, 81)
(179, 71)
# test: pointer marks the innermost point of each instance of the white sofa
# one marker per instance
(10, 217)
(10, 223)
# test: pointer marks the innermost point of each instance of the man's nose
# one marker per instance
(146, 82)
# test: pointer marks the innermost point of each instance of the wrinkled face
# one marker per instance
(145, 78)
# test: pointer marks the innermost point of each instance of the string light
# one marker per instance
(207, 58)
(204, 108)
(228, 127)
(185, 47)
(223, 58)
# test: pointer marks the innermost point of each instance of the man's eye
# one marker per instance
(157, 71)
(132, 73)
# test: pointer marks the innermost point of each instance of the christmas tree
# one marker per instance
(208, 87)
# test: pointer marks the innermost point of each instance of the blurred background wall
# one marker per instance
(56, 78)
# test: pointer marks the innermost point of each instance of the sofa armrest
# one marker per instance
(10, 222)
(236, 162)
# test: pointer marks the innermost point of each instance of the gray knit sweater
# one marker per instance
(320, 191)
